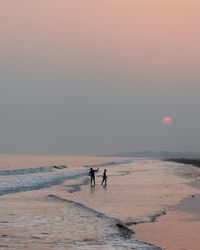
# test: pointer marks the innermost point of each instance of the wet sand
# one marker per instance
(147, 203)
(142, 188)
(147, 197)
(179, 228)
(174, 231)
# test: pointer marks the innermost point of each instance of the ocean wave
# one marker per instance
(110, 163)
(116, 235)
(30, 170)
(43, 177)
(35, 181)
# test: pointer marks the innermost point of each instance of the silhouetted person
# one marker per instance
(92, 175)
(104, 178)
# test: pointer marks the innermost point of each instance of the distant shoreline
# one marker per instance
(194, 162)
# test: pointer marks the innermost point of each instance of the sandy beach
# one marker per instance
(147, 204)
(179, 228)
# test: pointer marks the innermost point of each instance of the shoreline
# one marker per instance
(187, 161)
(148, 197)
(156, 187)
(179, 227)
(37, 215)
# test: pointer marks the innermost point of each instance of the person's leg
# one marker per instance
(104, 180)
(94, 181)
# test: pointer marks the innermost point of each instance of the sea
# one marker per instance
(41, 209)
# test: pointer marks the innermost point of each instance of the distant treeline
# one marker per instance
(195, 162)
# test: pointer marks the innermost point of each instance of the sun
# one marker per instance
(167, 120)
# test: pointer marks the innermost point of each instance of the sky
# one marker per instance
(98, 76)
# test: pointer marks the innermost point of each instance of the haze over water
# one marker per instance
(98, 77)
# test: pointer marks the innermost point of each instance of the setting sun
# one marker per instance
(167, 120)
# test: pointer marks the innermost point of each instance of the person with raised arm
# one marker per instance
(92, 175)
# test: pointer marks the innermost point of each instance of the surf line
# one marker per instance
(36, 182)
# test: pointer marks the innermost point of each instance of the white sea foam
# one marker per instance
(36, 181)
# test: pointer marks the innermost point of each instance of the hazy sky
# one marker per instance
(98, 76)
